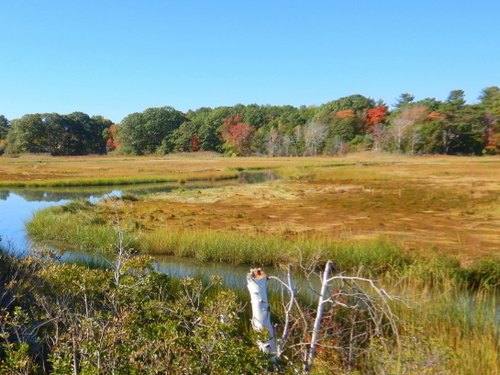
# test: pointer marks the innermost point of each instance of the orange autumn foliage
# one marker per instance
(112, 143)
(347, 113)
(376, 115)
(436, 116)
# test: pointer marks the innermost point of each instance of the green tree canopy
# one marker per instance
(490, 100)
(345, 128)
(454, 104)
(73, 134)
(404, 100)
(142, 133)
(181, 139)
(4, 127)
(357, 103)
(27, 134)
(431, 103)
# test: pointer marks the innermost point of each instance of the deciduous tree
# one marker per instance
(142, 133)
(111, 136)
(404, 119)
(315, 134)
(237, 135)
(376, 115)
(490, 107)
(356, 103)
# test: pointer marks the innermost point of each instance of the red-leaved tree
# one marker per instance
(376, 115)
(195, 143)
(237, 135)
(111, 142)
(375, 118)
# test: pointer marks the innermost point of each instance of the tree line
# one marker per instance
(352, 123)
(73, 134)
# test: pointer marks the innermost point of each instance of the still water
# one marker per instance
(17, 206)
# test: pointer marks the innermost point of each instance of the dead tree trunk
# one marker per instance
(323, 297)
(368, 303)
(261, 312)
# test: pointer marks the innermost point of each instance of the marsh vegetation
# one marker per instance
(426, 228)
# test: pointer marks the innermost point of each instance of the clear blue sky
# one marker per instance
(115, 57)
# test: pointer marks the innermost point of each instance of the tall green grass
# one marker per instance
(463, 324)
(74, 226)
(82, 228)
(376, 256)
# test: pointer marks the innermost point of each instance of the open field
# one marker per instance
(430, 205)
(34, 170)
(455, 216)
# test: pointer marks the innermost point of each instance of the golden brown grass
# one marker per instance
(426, 204)
(47, 168)
(406, 203)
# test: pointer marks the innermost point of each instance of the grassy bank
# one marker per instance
(81, 226)
(75, 182)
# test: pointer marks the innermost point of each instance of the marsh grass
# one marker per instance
(463, 322)
(101, 181)
(216, 246)
(335, 172)
(76, 228)
(450, 307)
(81, 226)
(370, 256)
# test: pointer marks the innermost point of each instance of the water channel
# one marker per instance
(18, 205)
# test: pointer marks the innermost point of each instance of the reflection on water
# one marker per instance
(15, 210)
(56, 194)
(17, 205)
(232, 276)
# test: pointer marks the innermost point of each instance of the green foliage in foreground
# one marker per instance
(55, 316)
(65, 318)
